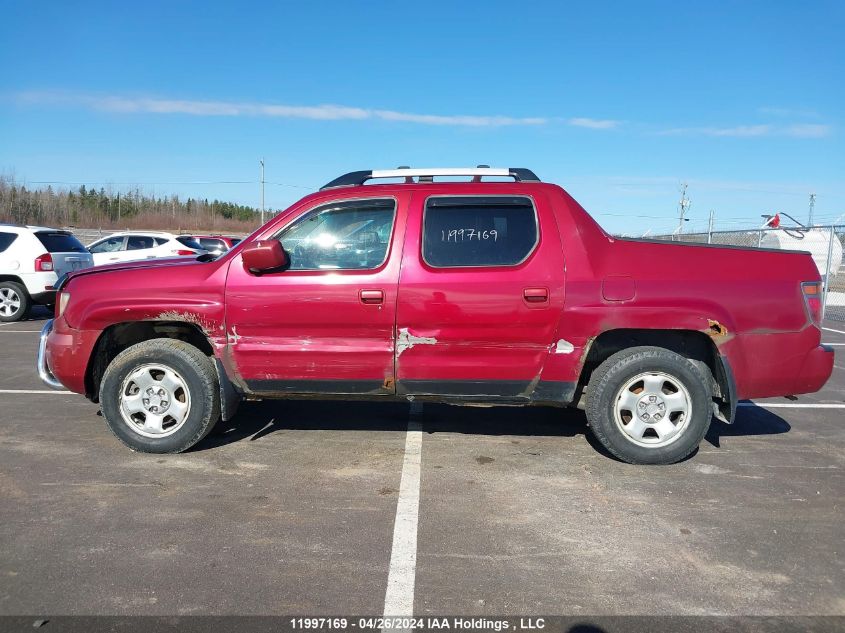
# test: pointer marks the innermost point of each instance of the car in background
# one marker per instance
(214, 244)
(32, 258)
(133, 245)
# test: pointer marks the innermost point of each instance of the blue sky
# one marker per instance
(617, 101)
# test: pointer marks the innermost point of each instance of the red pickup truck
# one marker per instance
(499, 289)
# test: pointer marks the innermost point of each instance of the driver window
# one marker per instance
(352, 235)
(110, 245)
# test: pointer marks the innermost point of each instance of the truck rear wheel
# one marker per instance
(160, 396)
(647, 405)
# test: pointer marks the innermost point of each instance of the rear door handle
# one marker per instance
(372, 296)
(536, 295)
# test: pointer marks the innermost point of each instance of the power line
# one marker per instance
(111, 182)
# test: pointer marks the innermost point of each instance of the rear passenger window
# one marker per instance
(139, 242)
(6, 240)
(351, 235)
(478, 231)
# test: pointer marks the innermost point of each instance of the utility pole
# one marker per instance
(710, 227)
(118, 208)
(812, 208)
(683, 207)
(262, 192)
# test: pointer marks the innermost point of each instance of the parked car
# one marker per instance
(132, 245)
(32, 258)
(478, 293)
(215, 244)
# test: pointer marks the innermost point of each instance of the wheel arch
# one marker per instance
(695, 345)
(14, 278)
(118, 337)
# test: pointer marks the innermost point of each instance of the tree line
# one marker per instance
(89, 207)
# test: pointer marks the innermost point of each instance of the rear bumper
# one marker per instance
(816, 370)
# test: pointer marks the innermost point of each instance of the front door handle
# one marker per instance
(536, 295)
(372, 296)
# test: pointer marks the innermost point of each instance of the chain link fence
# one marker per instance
(825, 244)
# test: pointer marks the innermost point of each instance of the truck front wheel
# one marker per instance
(648, 405)
(160, 396)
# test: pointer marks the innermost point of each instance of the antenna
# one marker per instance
(683, 207)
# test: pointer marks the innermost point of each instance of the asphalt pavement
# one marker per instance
(333, 508)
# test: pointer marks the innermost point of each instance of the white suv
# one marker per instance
(131, 245)
(32, 258)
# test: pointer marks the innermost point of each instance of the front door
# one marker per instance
(480, 295)
(324, 325)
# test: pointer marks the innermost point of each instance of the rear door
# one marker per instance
(140, 247)
(480, 292)
(67, 252)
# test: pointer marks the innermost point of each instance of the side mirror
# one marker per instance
(264, 256)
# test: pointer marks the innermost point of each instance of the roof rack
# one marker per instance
(519, 174)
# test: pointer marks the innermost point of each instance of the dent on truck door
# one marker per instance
(480, 291)
(325, 325)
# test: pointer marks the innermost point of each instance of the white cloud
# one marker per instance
(797, 130)
(593, 124)
(468, 120)
(327, 112)
(333, 112)
(809, 130)
(804, 113)
(737, 131)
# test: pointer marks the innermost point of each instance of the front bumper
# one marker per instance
(64, 354)
(44, 372)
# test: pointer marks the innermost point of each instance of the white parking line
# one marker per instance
(19, 331)
(830, 329)
(399, 598)
(34, 391)
(791, 405)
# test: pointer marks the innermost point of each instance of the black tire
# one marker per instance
(15, 289)
(197, 373)
(606, 389)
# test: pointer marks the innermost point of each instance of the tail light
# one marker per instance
(813, 298)
(44, 263)
(184, 252)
